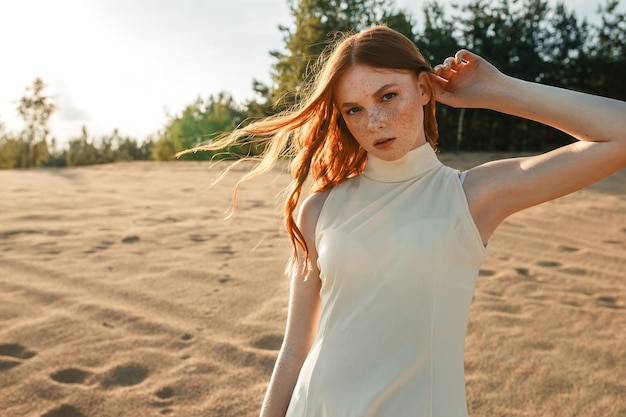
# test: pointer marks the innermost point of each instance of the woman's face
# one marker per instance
(383, 109)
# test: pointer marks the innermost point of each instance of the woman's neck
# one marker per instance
(411, 165)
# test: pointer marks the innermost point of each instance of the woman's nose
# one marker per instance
(376, 120)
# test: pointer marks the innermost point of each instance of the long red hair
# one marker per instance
(314, 133)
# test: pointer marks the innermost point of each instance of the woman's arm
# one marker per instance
(302, 318)
(498, 189)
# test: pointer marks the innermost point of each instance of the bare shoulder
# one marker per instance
(497, 189)
(491, 190)
(310, 210)
(308, 215)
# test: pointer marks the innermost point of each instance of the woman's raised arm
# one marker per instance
(498, 189)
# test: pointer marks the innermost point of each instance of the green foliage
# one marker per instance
(117, 148)
(315, 22)
(528, 39)
(167, 145)
(81, 151)
(35, 109)
(437, 39)
(531, 40)
(30, 147)
(57, 157)
(107, 149)
(607, 57)
(11, 153)
(199, 123)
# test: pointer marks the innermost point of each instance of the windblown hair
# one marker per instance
(314, 133)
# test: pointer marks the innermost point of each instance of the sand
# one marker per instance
(123, 292)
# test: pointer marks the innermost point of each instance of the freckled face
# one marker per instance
(383, 109)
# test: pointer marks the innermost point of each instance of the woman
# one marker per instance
(389, 244)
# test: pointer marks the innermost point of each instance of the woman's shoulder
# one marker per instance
(312, 206)
(309, 214)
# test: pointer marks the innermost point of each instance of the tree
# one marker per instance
(117, 148)
(199, 122)
(57, 157)
(526, 39)
(35, 109)
(565, 50)
(315, 22)
(437, 41)
(10, 149)
(81, 151)
(608, 55)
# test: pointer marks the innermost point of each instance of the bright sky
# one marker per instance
(126, 64)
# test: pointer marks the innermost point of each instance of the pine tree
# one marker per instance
(35, 109)
(315, 24)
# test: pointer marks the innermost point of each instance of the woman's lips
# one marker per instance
(383, 143)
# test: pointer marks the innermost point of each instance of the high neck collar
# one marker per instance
(413, 164)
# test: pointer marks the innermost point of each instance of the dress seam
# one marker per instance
(432, 319)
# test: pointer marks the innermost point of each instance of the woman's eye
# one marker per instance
(352, 111)
(389, 96)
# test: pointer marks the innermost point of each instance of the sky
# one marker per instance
(129, 64)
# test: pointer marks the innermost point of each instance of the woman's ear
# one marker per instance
(425, 87)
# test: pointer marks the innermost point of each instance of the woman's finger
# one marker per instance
(439, 85)
(445, 70)
(465, 56)
(449, 64)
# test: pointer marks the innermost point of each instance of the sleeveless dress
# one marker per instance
(399, 255)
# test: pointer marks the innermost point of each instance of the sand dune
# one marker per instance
(124, 293)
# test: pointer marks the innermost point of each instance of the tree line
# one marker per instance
(529, 39)
(35, 147)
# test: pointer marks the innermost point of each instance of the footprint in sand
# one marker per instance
(13, 350)
(257, 203)
(548, 264)
(164, 396)
(202, 238)
(504, 308)
(131, 239)
(224, 250)
(269, 342)
(522, 271)
(568, 249)
(608, 302)
(486, 273)
(124, 376)
(64, 411)
(540, 345)
(70, 376)
(16, 351)
(8, 364)
(573, 270)
(165, 393)
(12, 233)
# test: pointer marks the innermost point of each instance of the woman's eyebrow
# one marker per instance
(376, 93)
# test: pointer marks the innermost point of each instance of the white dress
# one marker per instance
(399, 256)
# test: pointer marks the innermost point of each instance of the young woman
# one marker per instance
(389, 244)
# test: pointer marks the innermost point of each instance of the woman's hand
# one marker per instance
(467, 80)
(497, 189)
